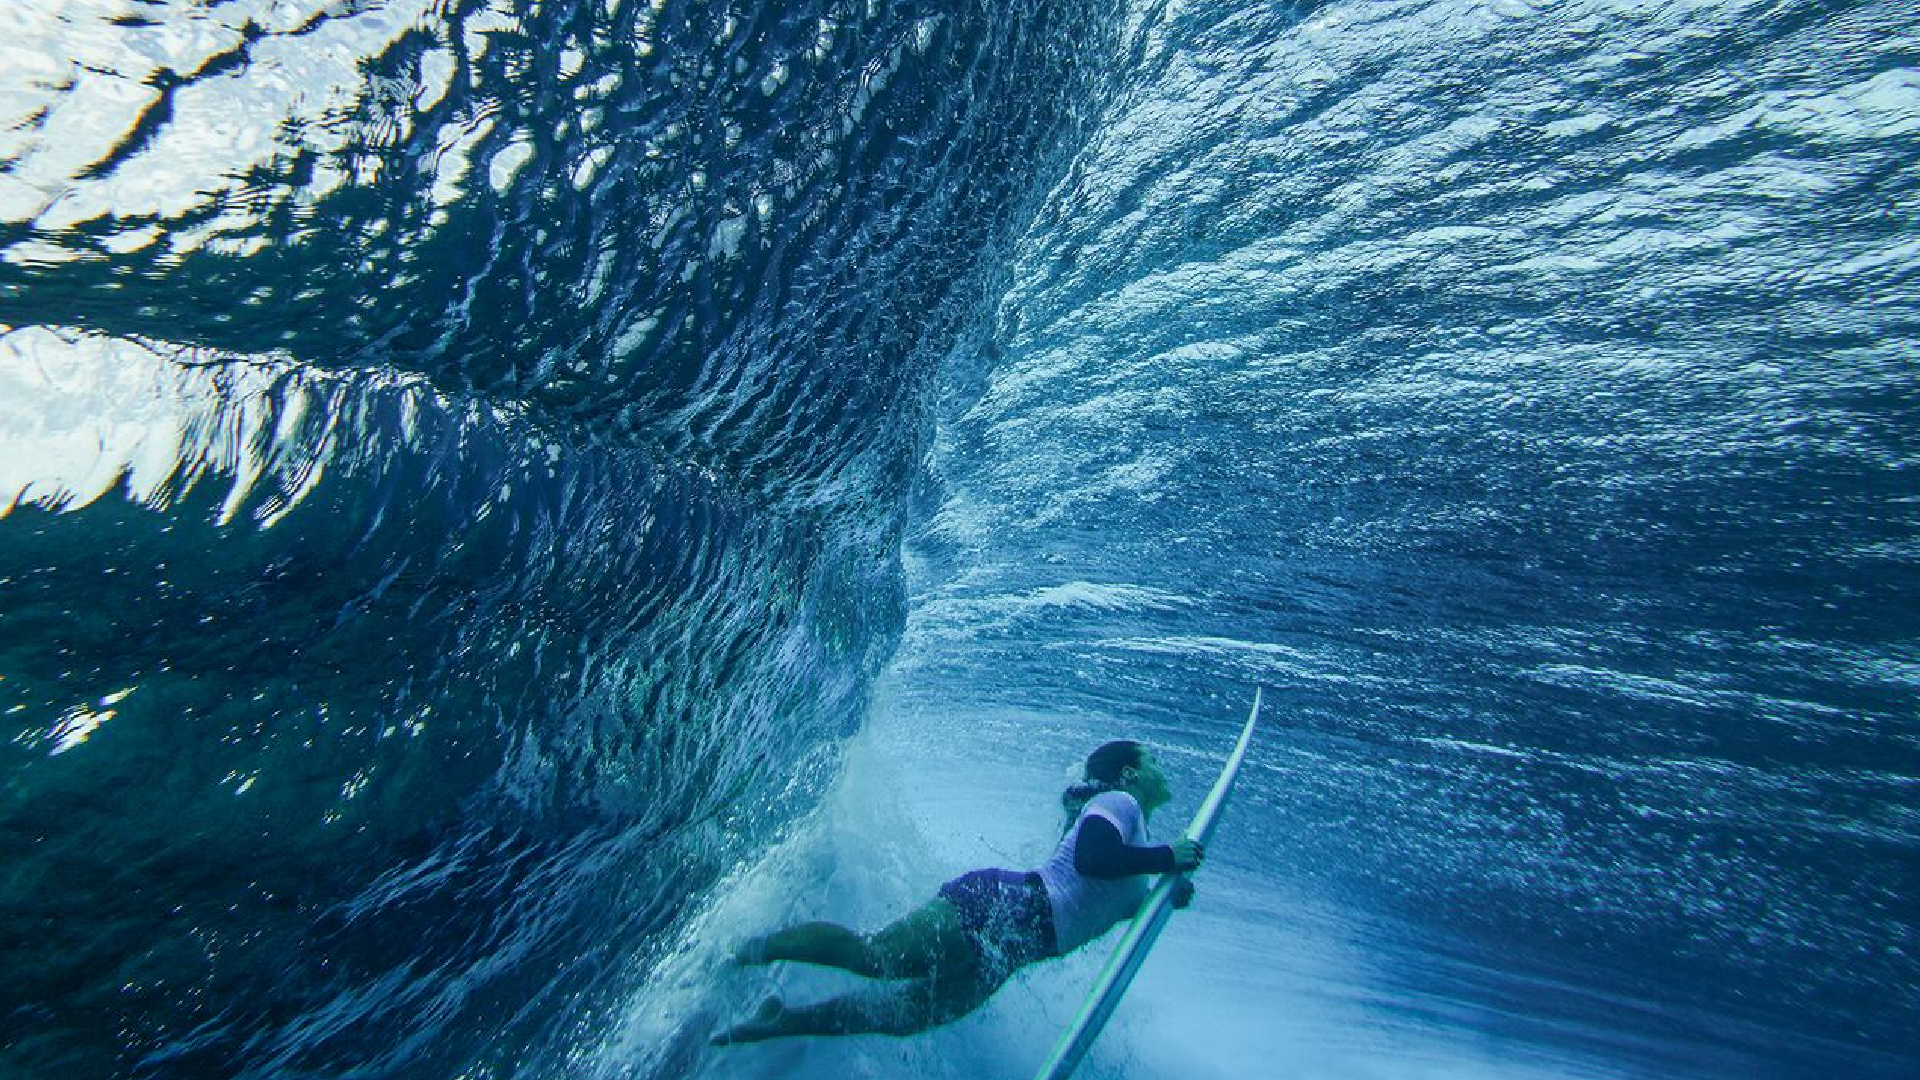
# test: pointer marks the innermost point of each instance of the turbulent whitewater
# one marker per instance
(498, 498)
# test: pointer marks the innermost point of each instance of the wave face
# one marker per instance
(450, 467)
(1523, 394)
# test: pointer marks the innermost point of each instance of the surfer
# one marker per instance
(953, 953)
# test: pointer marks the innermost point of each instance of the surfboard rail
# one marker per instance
(1147, 923)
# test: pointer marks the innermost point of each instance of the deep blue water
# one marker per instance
(499, 499)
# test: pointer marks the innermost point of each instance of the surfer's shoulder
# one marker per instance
(1119, 806)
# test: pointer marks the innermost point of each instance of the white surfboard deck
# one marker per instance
(1154, 911)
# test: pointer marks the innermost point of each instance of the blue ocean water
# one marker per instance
(499, 499)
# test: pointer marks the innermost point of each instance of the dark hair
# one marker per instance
(1102, 773)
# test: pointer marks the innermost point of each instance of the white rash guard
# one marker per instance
(1086, 907)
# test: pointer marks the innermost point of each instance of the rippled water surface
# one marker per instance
(498, 499)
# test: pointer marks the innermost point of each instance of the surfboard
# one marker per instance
(1154, 911)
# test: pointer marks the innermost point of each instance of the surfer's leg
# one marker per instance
(906, 1008)
(809, 943)
(912, 947)
(927, 943)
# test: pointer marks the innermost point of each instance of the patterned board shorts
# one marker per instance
(1005, 916)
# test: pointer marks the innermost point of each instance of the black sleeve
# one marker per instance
(1099, 852)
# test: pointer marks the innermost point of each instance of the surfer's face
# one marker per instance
(1149, 784)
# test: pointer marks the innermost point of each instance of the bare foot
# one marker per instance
(751, 951)
(766, 1024)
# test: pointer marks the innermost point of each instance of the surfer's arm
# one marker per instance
(1100, 852)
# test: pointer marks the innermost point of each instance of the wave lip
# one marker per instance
(377, 737)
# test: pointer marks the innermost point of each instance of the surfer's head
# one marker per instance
(1121, 765)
